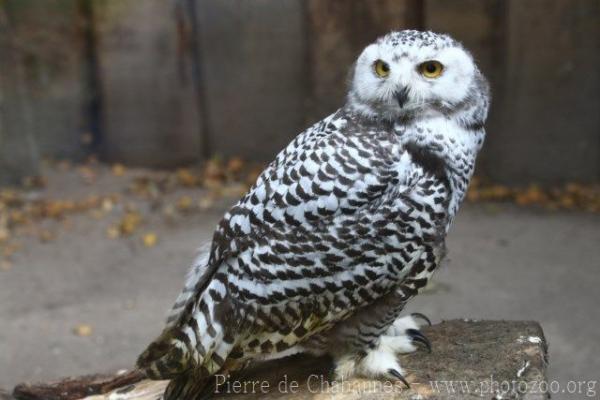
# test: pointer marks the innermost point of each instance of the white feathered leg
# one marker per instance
(404, 334)
(382, 362)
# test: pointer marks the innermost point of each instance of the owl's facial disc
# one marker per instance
(397, 77)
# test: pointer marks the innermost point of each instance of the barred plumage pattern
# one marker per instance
(340, 230)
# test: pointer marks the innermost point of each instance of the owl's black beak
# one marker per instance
(402, 96)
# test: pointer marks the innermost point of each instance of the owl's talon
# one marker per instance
(380, 362)
(396, 374)
(418, 337)
(418, 315)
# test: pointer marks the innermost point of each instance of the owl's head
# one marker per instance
(414, 73)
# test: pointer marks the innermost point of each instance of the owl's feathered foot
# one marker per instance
(406, 332)
(402, 336)
(378, 363)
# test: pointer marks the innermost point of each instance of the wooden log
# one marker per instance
(4, 395)
(77, 388)
(470, 360)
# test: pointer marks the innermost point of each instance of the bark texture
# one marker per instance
(470, 360)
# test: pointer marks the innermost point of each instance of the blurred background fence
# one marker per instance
(165, 83)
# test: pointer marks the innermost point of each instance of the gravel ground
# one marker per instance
(84, 303)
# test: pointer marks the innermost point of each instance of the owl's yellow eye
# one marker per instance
(431, 69)
(382, 69)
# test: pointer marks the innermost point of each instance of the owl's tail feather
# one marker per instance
(166, 357)
(191, 374)
(190, 351)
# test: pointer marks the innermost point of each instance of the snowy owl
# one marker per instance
(341, 230)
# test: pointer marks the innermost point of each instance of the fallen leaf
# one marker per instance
(87, 174)
(97, 214)
(113, 232)
(34, 182)
(234, 190)
(235, 165)
(5, 265)
(253, 174)
(4, 235)
(129, 223)
(205, 203)
(118, 170)
(46, 236)
(473, 195)
(10, 248)
(18, 217)
(83, 330)
(184, 203)
(214, 185)
(187, 178)
(213, 170)
(150, 239)
(107, 204)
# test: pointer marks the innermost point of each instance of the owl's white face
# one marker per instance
(412, 73)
